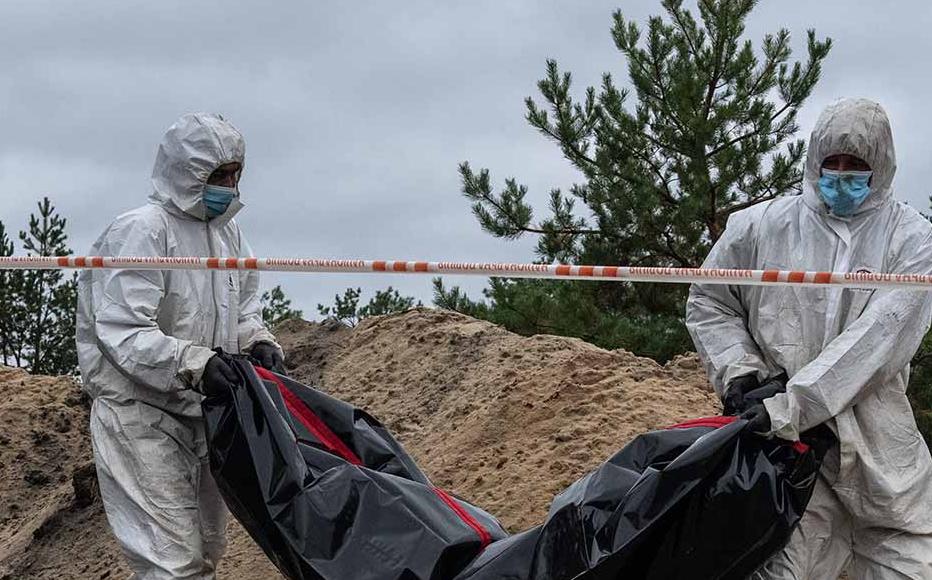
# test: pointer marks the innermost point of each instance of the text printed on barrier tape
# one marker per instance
(488, 269)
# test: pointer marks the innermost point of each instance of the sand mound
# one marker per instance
(48, 483)
(502, 420)
(52, 523)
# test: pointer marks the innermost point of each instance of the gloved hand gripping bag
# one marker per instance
(705, 499)
(328, 493)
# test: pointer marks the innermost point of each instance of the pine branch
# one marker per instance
(750, 202)
(749, 135)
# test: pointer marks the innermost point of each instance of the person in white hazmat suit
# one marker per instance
(846, 351)
(145, 341)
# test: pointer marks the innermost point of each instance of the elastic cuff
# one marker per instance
(783, 423)
(193, 361)
(255, 337)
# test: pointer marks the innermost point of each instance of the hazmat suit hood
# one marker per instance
(192, 148)
(858, 127)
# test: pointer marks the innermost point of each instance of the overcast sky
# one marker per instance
(357, 114)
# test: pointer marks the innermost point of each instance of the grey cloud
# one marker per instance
(356, 115)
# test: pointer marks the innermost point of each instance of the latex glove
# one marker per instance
(219, 377)
(771, 387)
(733, 399)
(758, 419)
(268, 356)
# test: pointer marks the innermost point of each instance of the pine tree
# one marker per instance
(920, 380)
(710, 132)
(37, 330)
(276, 307)
(388, 301)
(920, 387)
(11, 283)
(457, 300)
(346, 308)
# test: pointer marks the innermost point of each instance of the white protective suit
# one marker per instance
(143, 340)
(846, 352)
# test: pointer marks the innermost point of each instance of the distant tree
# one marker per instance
(920, 381)
(920, 387)
(37, 331)
(346, 308)
(457, 300)
(11, 315)
(276, 307)
(387, 301)
(711, 132)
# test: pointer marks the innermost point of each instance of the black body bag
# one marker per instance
(328, 493)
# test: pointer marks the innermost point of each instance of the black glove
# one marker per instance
(773, 386)
(733, 400)
(268, 356)
(758, 419)
(219, 377)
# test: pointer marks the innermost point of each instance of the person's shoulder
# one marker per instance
(908, 215)
(146, 222)
(148, 214)
(753, 215)
(910, 239)
(910, 224)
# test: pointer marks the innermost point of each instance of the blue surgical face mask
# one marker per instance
(844, 191)
(217, 199)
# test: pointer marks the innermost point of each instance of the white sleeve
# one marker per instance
(126, 308)
(716, 315)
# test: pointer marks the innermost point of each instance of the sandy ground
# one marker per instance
(502, 420)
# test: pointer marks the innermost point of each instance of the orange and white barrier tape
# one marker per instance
(488, 269)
